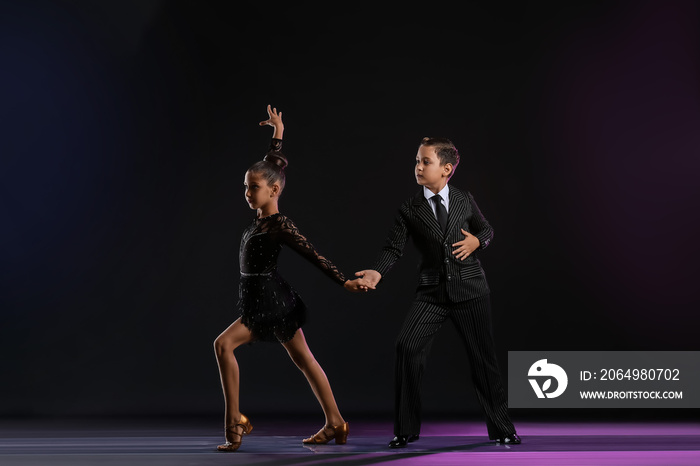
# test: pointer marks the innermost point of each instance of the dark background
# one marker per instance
(127, 127)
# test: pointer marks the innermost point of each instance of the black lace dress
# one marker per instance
(270, 308)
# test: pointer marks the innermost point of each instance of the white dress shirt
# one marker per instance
(444, 194)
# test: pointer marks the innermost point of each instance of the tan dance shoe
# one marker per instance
(230, 432)
(328, 433)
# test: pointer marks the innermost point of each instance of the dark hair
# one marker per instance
(445, 150)
(271, 168)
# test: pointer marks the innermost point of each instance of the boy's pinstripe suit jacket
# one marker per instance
(442, 277)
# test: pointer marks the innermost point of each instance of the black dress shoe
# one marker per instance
(510, 439)
(400, 441)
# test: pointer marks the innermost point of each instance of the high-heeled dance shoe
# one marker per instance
(327, 433)
(230, 432)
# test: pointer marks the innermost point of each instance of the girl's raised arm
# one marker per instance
(275, 121)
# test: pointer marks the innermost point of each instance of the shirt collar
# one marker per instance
(444, 194)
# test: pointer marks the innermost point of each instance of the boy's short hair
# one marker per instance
(445, 150)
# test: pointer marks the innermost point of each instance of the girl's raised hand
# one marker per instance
(275, 118)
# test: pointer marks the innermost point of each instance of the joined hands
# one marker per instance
(367, 280)
(358, 285)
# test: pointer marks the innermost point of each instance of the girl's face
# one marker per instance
(257, 191)
(429, 172)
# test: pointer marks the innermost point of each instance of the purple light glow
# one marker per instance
(279, 442)
(566, 428)
(620, 114)
(592, 458)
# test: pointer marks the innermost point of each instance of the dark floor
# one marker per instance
(274, 442)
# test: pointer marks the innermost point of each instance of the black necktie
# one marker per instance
(440, 211)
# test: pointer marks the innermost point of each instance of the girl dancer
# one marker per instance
(270, 309)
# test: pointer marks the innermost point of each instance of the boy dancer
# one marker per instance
(447, 228)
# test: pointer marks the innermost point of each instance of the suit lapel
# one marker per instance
(425, 213)
(458, 208)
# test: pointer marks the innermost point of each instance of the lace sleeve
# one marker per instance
(290, 235)
(275, 145)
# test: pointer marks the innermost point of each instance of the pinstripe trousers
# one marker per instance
(473, 321)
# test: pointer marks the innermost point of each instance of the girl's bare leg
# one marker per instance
(234, 336)
(301, 355)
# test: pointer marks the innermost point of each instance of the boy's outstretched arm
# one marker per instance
(391, 252)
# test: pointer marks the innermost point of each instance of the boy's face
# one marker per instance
(429, 172)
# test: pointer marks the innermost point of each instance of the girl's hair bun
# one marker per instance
(277, 158)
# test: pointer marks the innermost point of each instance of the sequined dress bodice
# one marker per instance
(262, 242)
(270, 308)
